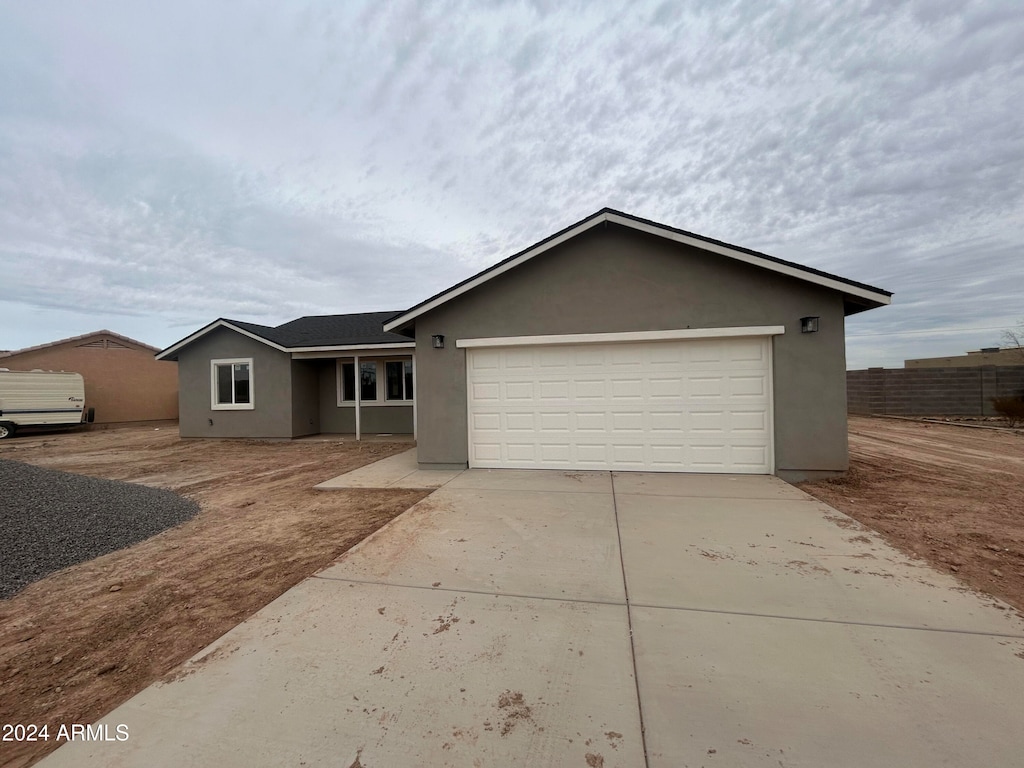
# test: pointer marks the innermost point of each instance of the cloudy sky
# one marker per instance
(164, 164)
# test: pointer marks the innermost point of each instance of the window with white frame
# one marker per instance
(398, 379)
(368, 381)
(393, 388)
(346, 382)
(231, 384)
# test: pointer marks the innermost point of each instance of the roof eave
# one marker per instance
(355, 347)
(171, 353)
(852, 305)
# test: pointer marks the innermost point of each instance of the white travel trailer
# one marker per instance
(40, 399)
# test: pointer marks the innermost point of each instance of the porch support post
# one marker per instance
(358, 380)
(415, 395)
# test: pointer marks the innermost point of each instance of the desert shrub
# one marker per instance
(1010, 408)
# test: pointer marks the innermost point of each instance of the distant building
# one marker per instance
(123, 381)
(975, 359)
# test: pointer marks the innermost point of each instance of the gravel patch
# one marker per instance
(50, 520)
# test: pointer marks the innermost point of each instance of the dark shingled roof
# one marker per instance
(327, 330)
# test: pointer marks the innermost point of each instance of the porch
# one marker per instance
(365, 393)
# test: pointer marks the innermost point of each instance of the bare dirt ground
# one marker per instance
(79, 642)
(953, 496)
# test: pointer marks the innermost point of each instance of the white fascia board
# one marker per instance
(306, 353)
(212, 326)
(627, 336)
(481, 279)
(836, 285)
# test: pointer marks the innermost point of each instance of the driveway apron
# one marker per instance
(599, 620)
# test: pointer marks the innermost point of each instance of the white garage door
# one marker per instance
(699, 405)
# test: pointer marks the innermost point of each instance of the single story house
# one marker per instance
(617, 343)
(241, 379)
(123, 383)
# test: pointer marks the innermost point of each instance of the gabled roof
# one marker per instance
(83, 337)
(311, 333)
(858, 296)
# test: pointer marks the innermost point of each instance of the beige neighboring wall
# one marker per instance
(123, 381)
(975, 359)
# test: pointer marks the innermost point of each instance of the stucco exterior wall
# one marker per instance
(611, 279)
(376, 419)
(387, 419)
(333, 420)
(122, 383)
(271, 385)
(305, 398)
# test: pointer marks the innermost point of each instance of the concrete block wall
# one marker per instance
(931, 391)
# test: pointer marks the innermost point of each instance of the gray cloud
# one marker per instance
(177, 162)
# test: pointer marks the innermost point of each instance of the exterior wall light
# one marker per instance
(809, 324)
(437, 342)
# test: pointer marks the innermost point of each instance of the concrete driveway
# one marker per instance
(599, 620)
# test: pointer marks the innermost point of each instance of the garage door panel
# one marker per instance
(752, 353)
(592, 454)
(704, 354)
(747, 386)
(589, 356)
(486, 359)
(487, 451)
(748, 455)
(486, 421)
(708, 457)
(665, 388)
(549, 390)
(749, 422)
(520, 422)
(627, 421)
(705, 387)
(521, 452)
(486, 391)
(626, 389)
(590, 389)
(670, 457)
(625, 355)
(667, 421)
(519, 390)
(515, 359)
(587, 421)
(555, 453)
(628, 454)
(696, 405)
(666, 355)
(551, 357)
(554, 422)
(704, 422)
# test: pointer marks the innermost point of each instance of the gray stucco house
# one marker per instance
(617, 343)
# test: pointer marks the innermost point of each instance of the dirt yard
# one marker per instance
(953, 496)
(79, 642)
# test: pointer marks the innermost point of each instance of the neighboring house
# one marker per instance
(973, 359)
(617, 343)
(123, 383)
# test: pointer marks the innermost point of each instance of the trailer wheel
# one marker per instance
(6, 430)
